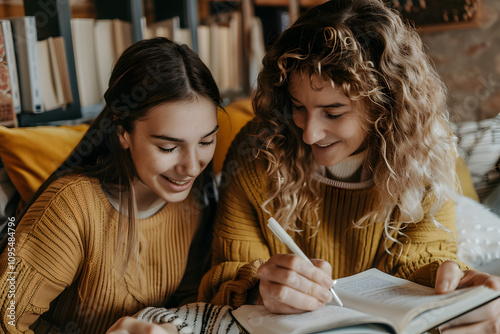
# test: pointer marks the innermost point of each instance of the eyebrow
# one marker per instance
(333, 105)
(178, 140)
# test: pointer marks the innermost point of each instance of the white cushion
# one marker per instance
(478, 233)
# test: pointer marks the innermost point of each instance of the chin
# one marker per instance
(326, 162)
(177, 198)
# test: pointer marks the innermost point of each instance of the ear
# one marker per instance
(123, 136)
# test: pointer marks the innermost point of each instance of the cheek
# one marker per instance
(207, 155)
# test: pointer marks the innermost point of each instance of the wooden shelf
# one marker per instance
(55, 16)
(286, 3)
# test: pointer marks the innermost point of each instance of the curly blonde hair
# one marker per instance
(367, 49)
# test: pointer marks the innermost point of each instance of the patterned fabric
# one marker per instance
(199, 318)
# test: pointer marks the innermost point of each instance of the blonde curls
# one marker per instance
(366, 49)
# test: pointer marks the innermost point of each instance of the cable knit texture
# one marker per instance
(241, 234)
(70, 276)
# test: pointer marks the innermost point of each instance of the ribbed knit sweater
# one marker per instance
(242, 241)
(69, 275)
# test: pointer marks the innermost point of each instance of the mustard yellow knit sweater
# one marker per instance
(68, 275)
(242, 241)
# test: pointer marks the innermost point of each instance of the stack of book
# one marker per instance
(220, 47)
(97, 45)
(34, 74)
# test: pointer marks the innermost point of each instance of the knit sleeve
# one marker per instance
(423, 246)
(239, 246)
(42, 259)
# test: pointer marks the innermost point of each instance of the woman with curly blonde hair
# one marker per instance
(352, 152)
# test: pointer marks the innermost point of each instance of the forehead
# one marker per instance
(182, 119)
(301, 80)
(301, 84)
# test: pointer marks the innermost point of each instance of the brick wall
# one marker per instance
(469, 62)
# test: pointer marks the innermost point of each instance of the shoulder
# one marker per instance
(81, 186)
(62, 215)
(70, 198)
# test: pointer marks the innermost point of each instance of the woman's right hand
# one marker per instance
(129, 325)
(289, 284)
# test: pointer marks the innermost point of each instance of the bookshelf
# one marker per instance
(53, 19)
(186, 10)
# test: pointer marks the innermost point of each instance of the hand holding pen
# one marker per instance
(288, 241)
(290, 284)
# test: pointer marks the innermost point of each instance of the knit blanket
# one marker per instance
(196, 318)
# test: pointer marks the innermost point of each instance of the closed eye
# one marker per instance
(167, 150)
(333, 116)
(207, 143)
(298, 108)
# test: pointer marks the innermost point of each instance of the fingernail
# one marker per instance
(328, 283)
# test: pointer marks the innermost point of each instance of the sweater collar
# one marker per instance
(348, 170)
(348, 174)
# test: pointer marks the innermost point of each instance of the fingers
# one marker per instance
(487, 326)
(482, 314)
(321, 272)
(289, 284)
(448, 277)
(474, 277)
(485, 319)
(129, 325)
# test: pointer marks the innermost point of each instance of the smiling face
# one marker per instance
(172, 145)
(331, 122)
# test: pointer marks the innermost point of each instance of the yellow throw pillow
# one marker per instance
(31, 154)
(237, 114)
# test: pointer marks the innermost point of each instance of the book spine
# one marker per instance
(11, 61)
(7, 114)
(25, 38)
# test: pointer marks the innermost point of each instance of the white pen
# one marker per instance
(287, 240)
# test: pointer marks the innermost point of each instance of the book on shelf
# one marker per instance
(257, 52)
(215, 53)
(10, 55)
(111, 38)
(374, 302)
(222, 44)
(203, 32)
(236, 52)
(104, 52)
(97, 45)
(168, 28)
(25, 38)
(82, 32)
(122, 36)
(50, 98)
(60, 68)
(8, 116)
(56, 90)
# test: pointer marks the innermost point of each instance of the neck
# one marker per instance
(349, 169)
(148, 203)
(146, 199)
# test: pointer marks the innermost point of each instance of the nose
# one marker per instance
(189, 164)
(312, 128)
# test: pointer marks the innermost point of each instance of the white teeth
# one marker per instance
(323, 146)
(180, 183)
